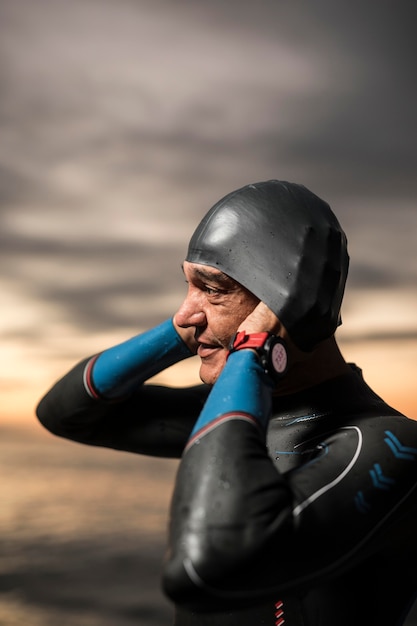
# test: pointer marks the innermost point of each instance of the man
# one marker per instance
(295, 500)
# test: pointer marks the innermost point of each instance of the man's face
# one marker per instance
(215, 305)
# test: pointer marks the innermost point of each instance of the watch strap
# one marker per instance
(254, 340)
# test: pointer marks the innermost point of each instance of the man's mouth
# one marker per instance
(206, 350)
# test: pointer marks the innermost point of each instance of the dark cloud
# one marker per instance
(365, 276)
(135, 275)
(96, 87)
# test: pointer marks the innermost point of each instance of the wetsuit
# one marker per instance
(295, 510)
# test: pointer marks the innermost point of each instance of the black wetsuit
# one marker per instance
(305, 516)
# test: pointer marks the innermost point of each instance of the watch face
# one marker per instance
(279, 358)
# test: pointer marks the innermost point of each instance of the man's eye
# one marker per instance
(212, 291)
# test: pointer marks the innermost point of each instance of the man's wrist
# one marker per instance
(270, 348)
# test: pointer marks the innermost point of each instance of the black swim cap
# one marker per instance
(285, 245)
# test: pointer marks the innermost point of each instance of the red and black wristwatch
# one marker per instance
(270, 349)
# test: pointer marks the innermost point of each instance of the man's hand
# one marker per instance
(261, 319)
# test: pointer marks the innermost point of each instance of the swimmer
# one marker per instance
(295, 498)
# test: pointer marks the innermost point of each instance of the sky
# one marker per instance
(123, 121)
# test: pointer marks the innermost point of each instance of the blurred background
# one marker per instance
(121, 123)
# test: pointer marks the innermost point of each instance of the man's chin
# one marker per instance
(210, 370)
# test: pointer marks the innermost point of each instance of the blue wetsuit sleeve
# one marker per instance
(120, 369)
(243, 389)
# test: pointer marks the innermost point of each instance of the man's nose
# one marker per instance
(191, 312)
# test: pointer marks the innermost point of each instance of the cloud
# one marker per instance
(123, 122)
